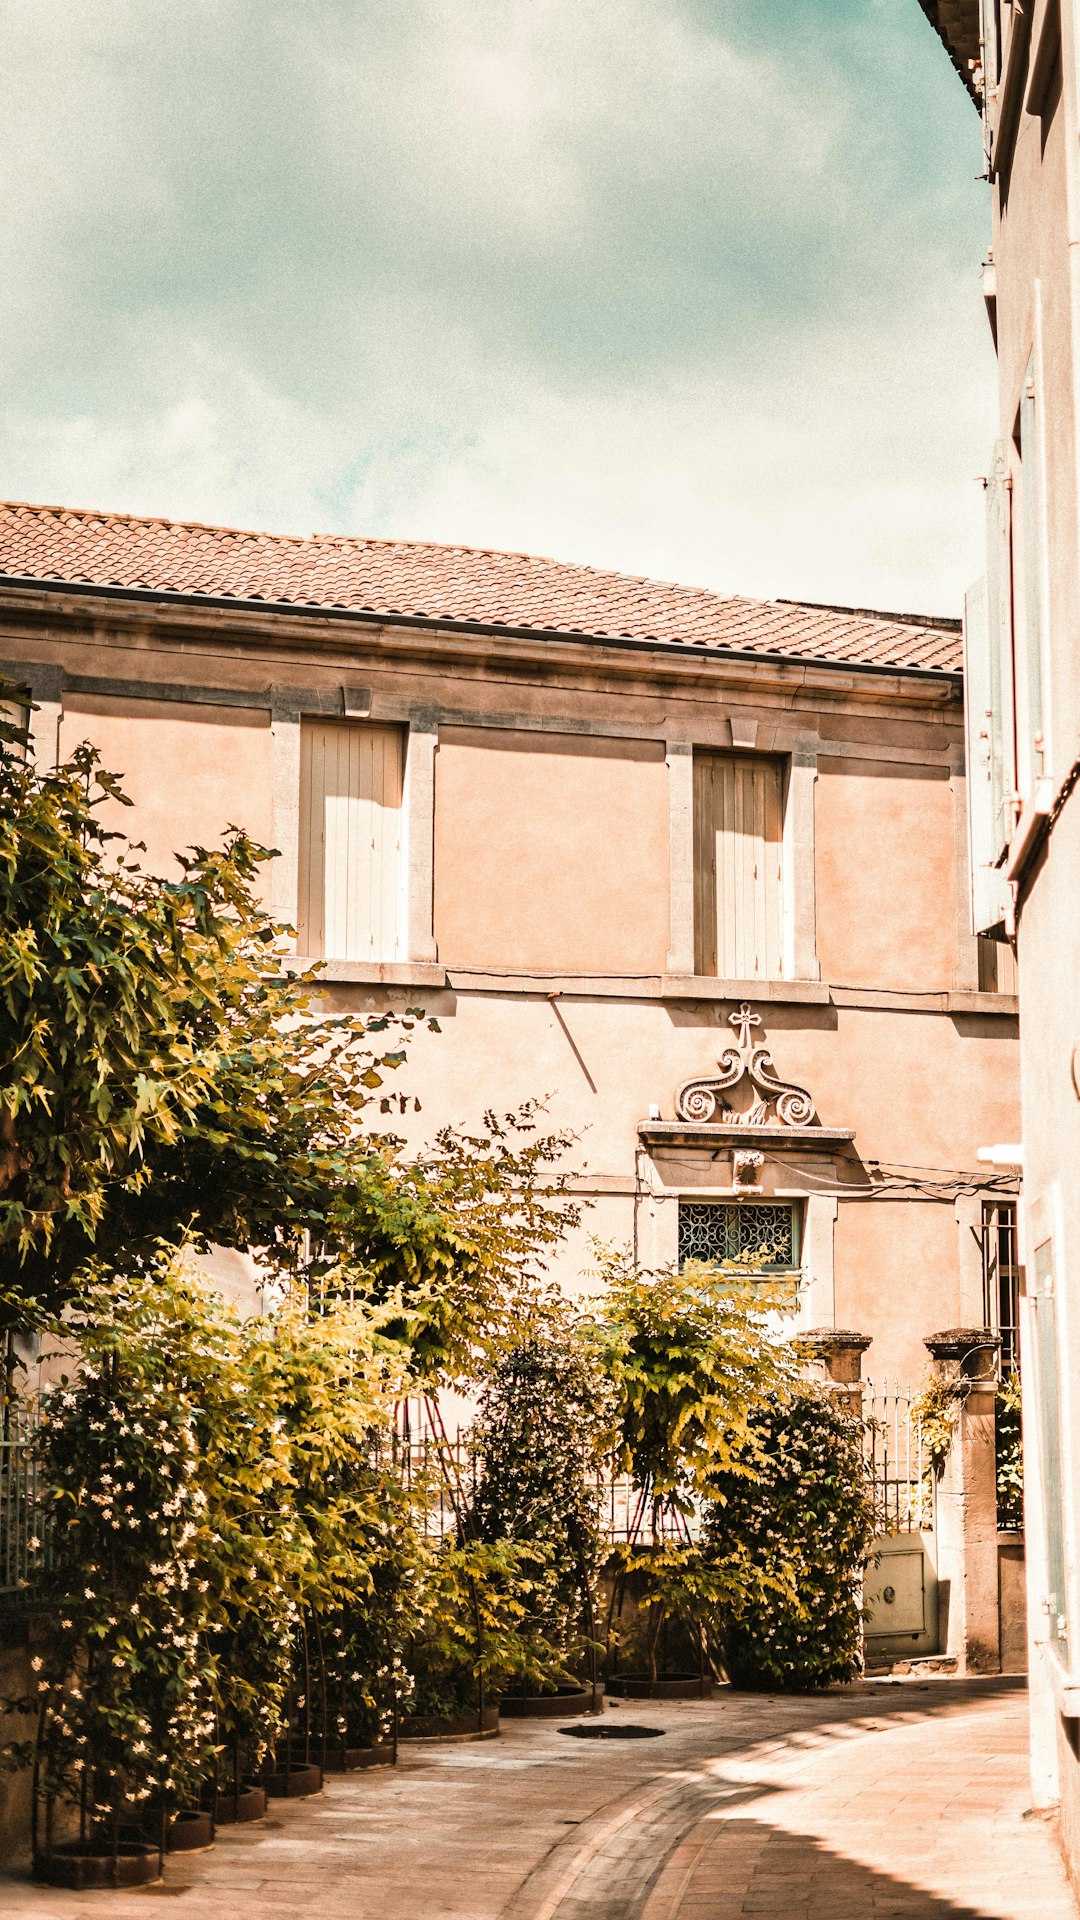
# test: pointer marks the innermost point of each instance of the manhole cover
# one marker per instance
(619, 1732)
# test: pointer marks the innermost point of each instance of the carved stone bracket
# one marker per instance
(700, 1100)
(746, 1169)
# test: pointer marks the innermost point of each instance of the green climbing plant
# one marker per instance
(805, 1520)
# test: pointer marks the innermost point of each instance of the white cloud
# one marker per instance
(666, 285)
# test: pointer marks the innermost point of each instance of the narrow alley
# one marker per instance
(891, 1798)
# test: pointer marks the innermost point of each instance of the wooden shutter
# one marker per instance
(982, 720)
(738, 833)
(350, 840)
(999, 626)
(1031, 529)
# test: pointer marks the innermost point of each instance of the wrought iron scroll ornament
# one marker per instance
(701, 1100)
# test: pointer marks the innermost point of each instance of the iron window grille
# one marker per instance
(740, 1231)
(1001, 1279)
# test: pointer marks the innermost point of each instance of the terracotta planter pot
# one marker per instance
(190, 1831)
(638, 1686)
(248, 1804)
(352, 1759)
(295, 1783)
(467, 1726)
(133, 1866)
(551, 1706)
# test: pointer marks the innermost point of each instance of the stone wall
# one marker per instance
(16, 1678)
(1012, 1603)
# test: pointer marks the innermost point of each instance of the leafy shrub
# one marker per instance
(124, 1701)
(805, 1516)
(693, 1356)
(544, 1418)
(1010, 1455)
(214, 1486)
(474, 1641)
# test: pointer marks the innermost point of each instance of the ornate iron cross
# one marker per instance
(743, 1020)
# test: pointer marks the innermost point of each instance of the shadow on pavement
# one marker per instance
(753, 1869)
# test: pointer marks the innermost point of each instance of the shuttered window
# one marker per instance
(990, 899)
(1029, 615)
(738, 865)
(350, 840)
(14, 713)
(997, 967)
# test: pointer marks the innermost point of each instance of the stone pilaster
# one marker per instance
(839, 1354)
(966, 1508)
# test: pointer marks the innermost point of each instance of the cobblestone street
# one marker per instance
(904, 1798)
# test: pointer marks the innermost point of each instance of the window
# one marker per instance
(738, 866)
(1028, 612)
(988, 708)
(1044, 1327)
(715, 1230)
(991, 39)
(1001, 1279)
(997, 966)
(350, 877)
(14, 713)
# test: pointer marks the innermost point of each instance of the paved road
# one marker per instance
(892, 1799)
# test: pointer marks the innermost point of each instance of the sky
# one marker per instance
(684, 287)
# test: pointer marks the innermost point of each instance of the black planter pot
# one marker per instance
(353, 1759)
(551, 1706)
(466, 1726)
(190, 1831)
(294, 1783)
(236, 1808)
(133, 1865)
(638, 1686)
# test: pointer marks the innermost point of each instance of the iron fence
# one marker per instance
(442, 1469)
(1001, 1279)
(23, 1547)
(899, 1459)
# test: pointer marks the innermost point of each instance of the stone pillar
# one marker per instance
(966, 1507)
(839, 1354)
(420, 832)
(680, 769)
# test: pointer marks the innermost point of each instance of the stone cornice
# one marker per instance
(769, 1140)
(292, 635)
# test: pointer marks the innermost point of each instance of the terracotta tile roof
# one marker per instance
(455, 584)
(957, 23)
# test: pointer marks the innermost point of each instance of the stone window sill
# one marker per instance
(650, 986)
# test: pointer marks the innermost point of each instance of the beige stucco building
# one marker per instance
(1021, 68)
(584, 819)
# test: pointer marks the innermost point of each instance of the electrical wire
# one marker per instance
(950, 1188)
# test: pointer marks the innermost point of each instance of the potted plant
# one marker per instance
(125, 1720)
(797, 1501)
(325, 1381)
(474, 1599)
(692, 1356)
(365, 1683)
(543, 1426)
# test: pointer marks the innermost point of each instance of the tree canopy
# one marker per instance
(164, 1078)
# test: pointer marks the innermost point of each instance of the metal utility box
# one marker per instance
(900, 1598)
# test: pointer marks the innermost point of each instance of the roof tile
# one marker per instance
(443, 583)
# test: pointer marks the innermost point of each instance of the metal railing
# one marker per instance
(899, 1459)
(442, 1469)
(1001, 1279)
(23, 1553)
